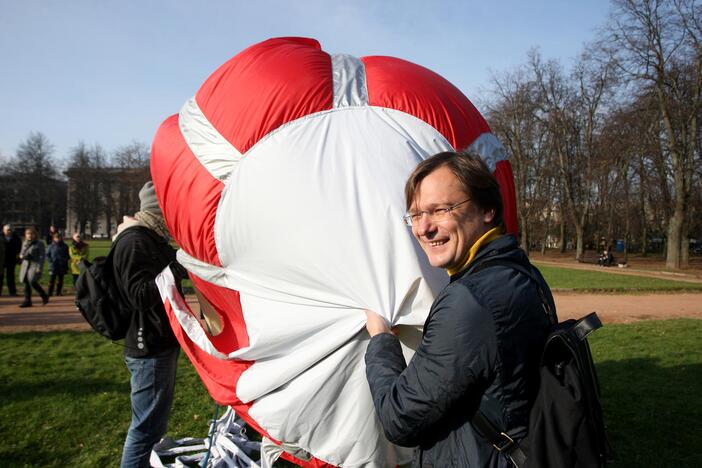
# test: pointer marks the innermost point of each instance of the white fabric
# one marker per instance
(490, 149)
(309, 230)
(349, 81)
(214, 152)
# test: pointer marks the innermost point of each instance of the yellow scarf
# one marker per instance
(488, 237)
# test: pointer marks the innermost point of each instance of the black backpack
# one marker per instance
(98, 298)
(566, 424)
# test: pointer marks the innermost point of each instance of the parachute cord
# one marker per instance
(211, 437)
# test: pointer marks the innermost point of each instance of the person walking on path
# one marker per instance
(141, 252)
(77, 251)
(50, 235)
(12, 244)
(58, 263)
(32, 255)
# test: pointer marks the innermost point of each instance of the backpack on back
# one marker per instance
(98, 298)
(566, 424)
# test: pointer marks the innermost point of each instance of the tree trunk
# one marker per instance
(579, 237)
(674, 240)
(562, 239)
(524, 236)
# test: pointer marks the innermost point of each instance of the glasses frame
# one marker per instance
(436, 214)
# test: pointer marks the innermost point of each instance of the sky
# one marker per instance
(109, 72)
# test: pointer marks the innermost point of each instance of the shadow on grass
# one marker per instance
(652, 412)
(19, 391)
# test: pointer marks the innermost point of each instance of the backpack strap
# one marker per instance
(502, 442)
(586, 325)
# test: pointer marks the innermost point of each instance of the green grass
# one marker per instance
(65, 400)
(65, 396)
(651, 379)
(601, 281)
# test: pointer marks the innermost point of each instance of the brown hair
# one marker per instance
(469, 168)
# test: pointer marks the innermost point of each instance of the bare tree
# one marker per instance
(657, 43)
(33, 171)
(512, 116)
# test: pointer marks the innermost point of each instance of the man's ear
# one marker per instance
(489, 216)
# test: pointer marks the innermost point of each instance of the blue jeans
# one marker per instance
(153, 381)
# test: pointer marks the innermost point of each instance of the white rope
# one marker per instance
(231, 447)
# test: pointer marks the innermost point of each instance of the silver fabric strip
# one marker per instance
(214, 152)
(349, 76)
(490, 149)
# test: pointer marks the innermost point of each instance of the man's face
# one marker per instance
(6, 231)
(447, 242)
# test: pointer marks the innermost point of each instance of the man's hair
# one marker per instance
(33, 230)
(7, 226)
(469, 168)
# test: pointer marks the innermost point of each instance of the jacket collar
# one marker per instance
(500, 247)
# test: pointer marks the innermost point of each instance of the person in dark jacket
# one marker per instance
(141, 252)
(13, 245)
(58, 263)
(483, 337)
(53, 230)
(32, 255)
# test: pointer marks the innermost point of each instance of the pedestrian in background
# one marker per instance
(33, 254)
(77, 251)
(50, 236)
(13, 244)
(58, 263)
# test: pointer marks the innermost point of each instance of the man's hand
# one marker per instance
(376, 324)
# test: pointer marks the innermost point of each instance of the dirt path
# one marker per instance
(61, 314)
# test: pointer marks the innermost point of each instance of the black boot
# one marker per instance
(26, 304)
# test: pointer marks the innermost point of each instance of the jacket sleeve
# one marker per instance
(453, 363)
(136, 270)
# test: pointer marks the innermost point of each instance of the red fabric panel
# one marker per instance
(266, 86)
(503, 174)
(221, 376)
(228, 306)
(418, 91)
(186, 192)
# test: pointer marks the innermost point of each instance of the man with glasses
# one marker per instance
(483, 337)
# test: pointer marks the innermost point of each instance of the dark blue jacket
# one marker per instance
(482, 342)
(58, 258)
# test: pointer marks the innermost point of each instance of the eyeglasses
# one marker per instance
(437, 214)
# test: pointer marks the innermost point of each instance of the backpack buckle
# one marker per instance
(506, 445)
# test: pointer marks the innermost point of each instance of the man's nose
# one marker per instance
(425, 225)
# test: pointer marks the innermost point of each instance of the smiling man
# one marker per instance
(485, 331)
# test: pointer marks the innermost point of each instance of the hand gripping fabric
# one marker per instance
(282, 180)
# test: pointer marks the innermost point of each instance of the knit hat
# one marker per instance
(147, 197)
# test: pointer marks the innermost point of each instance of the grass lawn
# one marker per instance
(65, 400)
(601, 281)
(65, 396)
